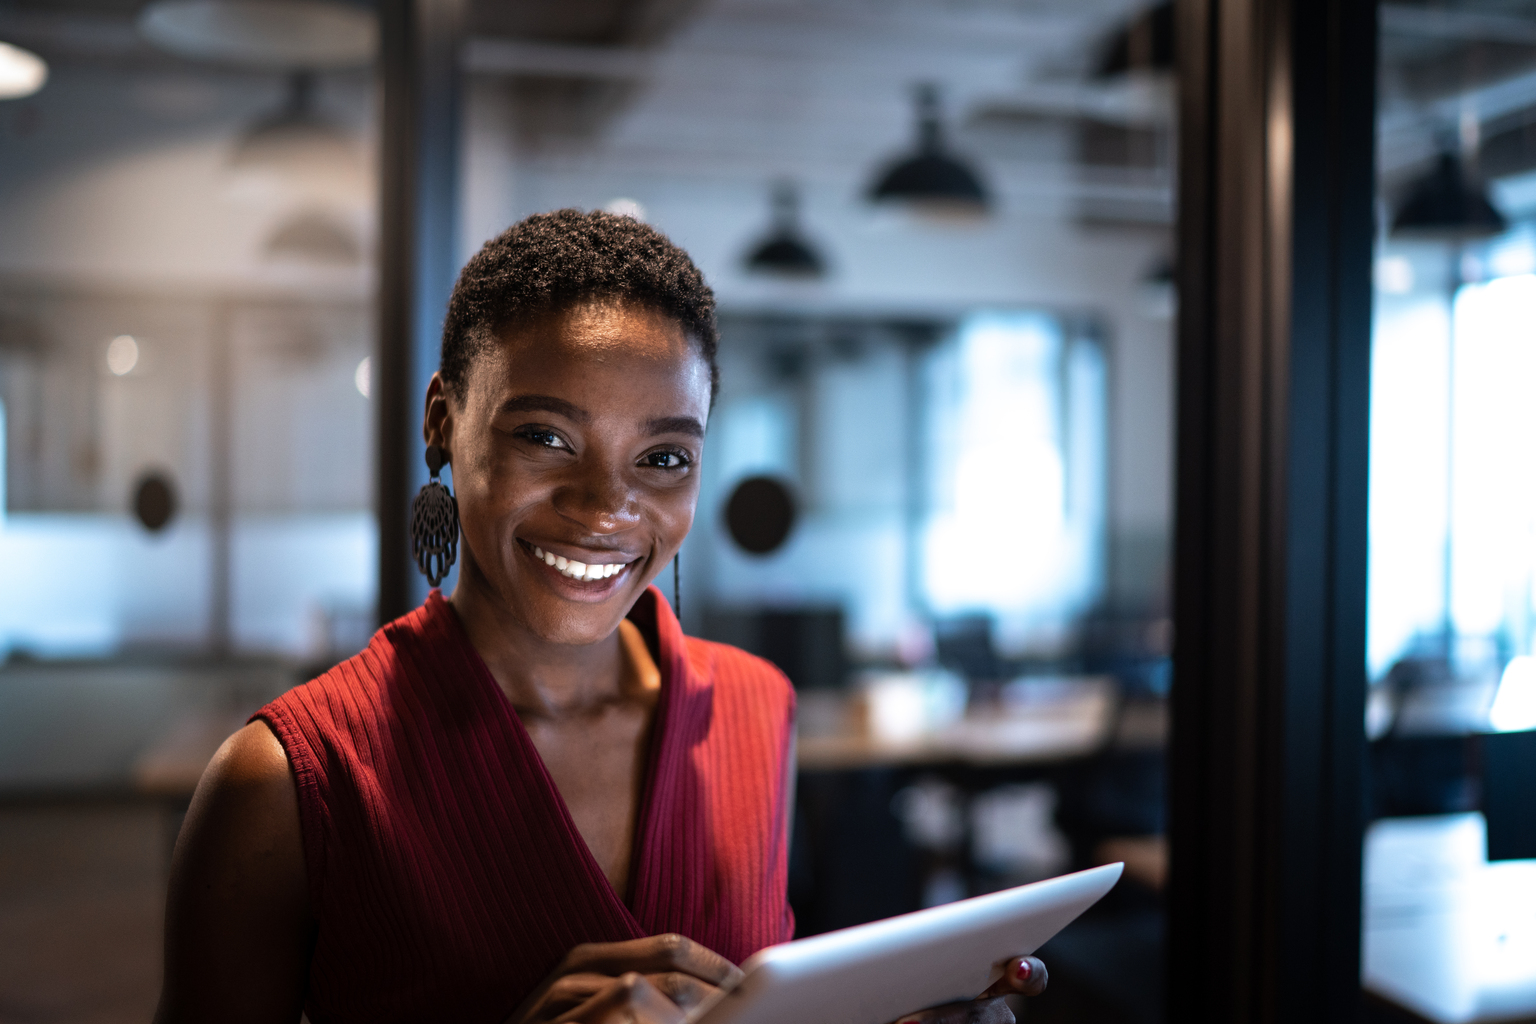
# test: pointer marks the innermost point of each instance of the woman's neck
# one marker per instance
(540, 678)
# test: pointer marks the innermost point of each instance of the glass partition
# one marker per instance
(1450, 855)
(937, 482)
(186, 522)
(184, 311)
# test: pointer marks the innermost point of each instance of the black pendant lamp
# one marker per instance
(785, 253)
(1144, 44)
(1447, 203)
(297, 151)
(931, 180)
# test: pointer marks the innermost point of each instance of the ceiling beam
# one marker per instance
(1449, 23)
(488, 56)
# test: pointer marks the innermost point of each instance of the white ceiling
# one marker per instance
(823, 92)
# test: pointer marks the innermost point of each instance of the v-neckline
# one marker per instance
(638, 861)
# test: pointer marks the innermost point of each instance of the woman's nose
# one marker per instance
(599, 498)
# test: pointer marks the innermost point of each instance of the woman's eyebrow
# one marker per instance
(675, 425)
(545, 403)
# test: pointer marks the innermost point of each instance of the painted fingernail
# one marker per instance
(1024, 970)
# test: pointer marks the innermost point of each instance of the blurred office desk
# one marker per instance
(170, 767)
(1448, 936)
(902, 781)
(1060, 720)
(122, 730)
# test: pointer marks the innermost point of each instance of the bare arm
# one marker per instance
(238, 925)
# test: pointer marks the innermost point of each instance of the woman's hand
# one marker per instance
(644, 981)
(1023, 975)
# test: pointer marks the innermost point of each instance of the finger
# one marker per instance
(655, 954)
(974, 1011)
(1024, 975)
(569, 991)
(628, 999)
(683, 989)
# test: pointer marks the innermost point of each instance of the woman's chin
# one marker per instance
(581, 626)
(575, 612)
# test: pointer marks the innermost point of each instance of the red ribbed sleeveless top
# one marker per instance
(445, 872)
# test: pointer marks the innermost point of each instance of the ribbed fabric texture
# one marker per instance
(445, 871)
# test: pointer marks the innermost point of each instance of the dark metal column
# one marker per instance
(417, 261)
(1277, 132)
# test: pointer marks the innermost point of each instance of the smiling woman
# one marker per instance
(536, 801)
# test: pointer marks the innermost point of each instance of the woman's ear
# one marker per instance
(437, 420)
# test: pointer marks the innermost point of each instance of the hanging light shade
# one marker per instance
(1143, 45)
(1160, 289)
(1448, 203)
(298, 152)
(314, 236)
(1162, 274)
(931, 180)
(22, 72)
(784, 252)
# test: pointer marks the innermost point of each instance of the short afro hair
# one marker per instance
(552, 261)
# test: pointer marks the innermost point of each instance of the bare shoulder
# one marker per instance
(238, 921)
(245, 814)
(248, 786)
(251, 757)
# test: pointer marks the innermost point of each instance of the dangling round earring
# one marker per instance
(434, 523)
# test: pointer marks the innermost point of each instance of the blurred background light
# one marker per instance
(1394, 275)
(263, 33)
(22, 72)
(122, 355)
(363, 377)
(1514, 706)
(623, 206)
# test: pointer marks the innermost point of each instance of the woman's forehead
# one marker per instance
(620, 348)
(600, 325)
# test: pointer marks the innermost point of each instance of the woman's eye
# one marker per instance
(545, 438)
(666, 460)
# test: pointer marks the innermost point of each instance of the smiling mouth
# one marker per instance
(572, 569)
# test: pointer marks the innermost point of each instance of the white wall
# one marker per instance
(121, 214)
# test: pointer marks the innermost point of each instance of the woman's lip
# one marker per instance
(578, 573)
(583, 555)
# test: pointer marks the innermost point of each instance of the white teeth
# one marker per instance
(577, 570)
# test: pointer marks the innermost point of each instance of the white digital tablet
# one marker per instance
(877, 972)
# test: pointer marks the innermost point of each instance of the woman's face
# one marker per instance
(575, 451)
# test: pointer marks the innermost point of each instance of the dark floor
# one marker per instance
(82, 889)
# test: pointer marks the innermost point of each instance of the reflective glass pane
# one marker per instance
(187, 236)
(1450, 854)
(937, 476)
